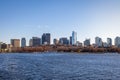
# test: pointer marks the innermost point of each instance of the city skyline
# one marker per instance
(45, 39)
(89, 18)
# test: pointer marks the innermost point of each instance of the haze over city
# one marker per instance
(89, 18)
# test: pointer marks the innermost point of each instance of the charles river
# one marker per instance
(59, 66)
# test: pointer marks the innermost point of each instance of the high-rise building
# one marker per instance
(117, 41)
(70, 40)
(36, 41)
(109, 42)
(55, 41)
(46, 38)
(87, 42)
(64, 41)
(23, 42)
(15, 42)
(74, 38)
(98, 42)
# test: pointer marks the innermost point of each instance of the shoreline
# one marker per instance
(61, 48)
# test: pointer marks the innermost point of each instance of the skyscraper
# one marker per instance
(23, 42)
(15, 42)
(117, 41)
(46, 38)
(98, 42)
(74, 38)
(109, 42)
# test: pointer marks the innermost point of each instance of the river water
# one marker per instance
(59, 66)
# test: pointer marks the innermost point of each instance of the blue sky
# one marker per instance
(89, 18)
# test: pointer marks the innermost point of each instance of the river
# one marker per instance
(59, 66)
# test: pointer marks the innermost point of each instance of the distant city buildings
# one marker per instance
(15, 42)
(74, 38)
(56, 41)
(46, 38)
(23, 42)
(105, 45)
(98, 42)
(0, 44)
(117, 41)
(64, 41)
(35, 41)
(70, 41)
(87, 42)
(79, 44)
(109, 42)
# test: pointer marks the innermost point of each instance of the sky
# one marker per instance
(89, 18)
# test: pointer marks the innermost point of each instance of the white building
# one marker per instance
(74, 38)
(109, 42)
(117, 41)
(98, 42)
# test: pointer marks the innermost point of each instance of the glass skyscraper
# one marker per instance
(74, 38)
(23, 42)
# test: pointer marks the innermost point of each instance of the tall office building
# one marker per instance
(70, 40)
(98, 42)
(15, 42)
(46, 38)
(23, 42)
(117, 41)
(87, 42)
(109, 42)
(36, 41)
(74, 38)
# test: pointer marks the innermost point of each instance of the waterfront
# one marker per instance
(59, 66)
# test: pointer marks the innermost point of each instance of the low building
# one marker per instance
(56, 41)
(64, 41)
(79, 44)
(105, 45)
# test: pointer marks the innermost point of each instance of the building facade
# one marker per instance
(87, 42)
(117, 41)
(98, 42)
(23, 42)
(64, 41)
(15, 42)
(36, 41)
(70, 41)
(56, 41)
(109, 42)
(74, 38)
(46, 38)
